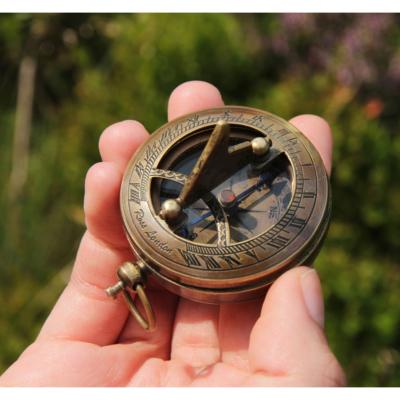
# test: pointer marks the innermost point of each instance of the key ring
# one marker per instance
(147, 323)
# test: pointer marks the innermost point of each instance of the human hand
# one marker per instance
(90, 340)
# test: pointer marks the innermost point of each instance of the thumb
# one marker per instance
(288, 340)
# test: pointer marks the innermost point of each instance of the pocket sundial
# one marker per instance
(217, 204)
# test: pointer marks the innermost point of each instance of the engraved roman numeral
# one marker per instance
(211, 262)
(226, 115)
(190, 258)
(297, 222)
(278, 242)
(193, 120)
(139, 168)
(257, 119)
(134, 192)
(239, 117)
(232, 261)
(166, 137)
(178, 127)
(283, 131)
(149, 152)
(252, 254)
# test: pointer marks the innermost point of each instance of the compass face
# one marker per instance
(253, 202)
(246, 222)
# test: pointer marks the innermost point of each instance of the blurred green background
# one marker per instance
(64, 78)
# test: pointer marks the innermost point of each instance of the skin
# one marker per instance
(90, 340)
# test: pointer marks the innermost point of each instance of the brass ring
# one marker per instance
(148, 324)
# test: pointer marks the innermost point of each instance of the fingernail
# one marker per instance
(312, 294)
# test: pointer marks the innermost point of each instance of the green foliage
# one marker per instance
(94, 70)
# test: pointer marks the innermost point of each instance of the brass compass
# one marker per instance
(217, 204)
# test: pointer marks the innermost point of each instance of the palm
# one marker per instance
(193, 352)
(90, 340)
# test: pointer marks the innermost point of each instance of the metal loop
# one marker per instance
(148, 324)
